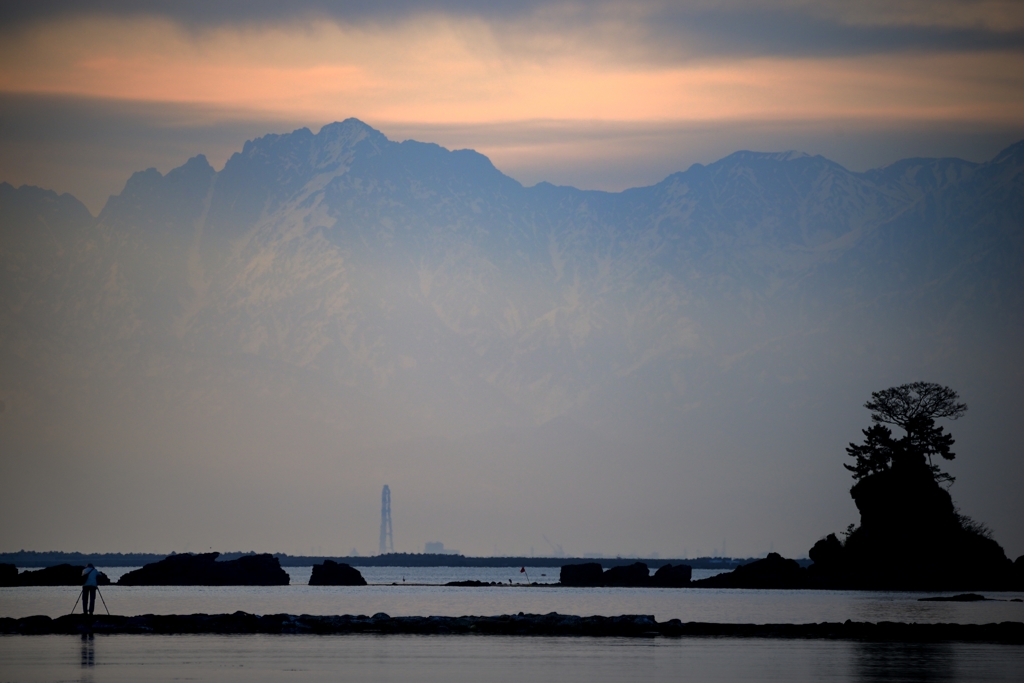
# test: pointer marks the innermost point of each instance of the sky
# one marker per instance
(599, 95)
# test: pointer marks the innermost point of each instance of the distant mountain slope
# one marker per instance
(369, 291)
(39, 235)
(369, 260)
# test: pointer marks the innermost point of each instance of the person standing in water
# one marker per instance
(89, 588)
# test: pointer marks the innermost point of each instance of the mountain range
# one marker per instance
(403, 299)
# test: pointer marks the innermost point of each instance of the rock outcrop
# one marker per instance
(60, 575)
(636, 575)
(332, 573)
(773, 571)
(8, 575)
(911, 537)
(827, 557)
(203, 570)
(668, 576)
(586, 574)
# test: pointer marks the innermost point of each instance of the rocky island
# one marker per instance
(204, 570)
(58, 575)
(331, 573)
(636, 575)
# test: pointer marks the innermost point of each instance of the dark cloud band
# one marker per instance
(241, 11)
(675, 31)
(788, 32)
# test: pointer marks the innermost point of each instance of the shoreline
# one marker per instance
(553, 624)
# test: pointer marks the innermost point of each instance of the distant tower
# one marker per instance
(387, 538)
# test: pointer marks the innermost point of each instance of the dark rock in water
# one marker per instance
(60, 575)
(912, 537)
(963, 597)
(8, 575)
(668, 576)
(828, 556)
(331, 573)
(773, 571)
(634, 575)
(586, 574)
(203, 570)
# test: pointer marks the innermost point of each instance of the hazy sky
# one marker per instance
(602, 95)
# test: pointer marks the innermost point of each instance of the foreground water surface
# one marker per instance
(491, 659)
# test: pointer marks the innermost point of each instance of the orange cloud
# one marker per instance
(437, 70)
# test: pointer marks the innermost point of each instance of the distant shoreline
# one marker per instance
(636, 626)
(50, 559)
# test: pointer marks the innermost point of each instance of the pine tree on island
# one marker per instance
(911, 535)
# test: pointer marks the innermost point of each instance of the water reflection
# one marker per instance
(904, 662)
(494, 659)
(88, 658)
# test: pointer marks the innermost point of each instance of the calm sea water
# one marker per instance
(491, 659)
(420, 595)
(499, 659)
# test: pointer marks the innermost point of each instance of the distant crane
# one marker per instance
(387, 537)
(556, 549)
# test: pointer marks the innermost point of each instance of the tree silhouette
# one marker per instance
(875, 455)
(906, 403)
(911, 534)
(914, 408)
